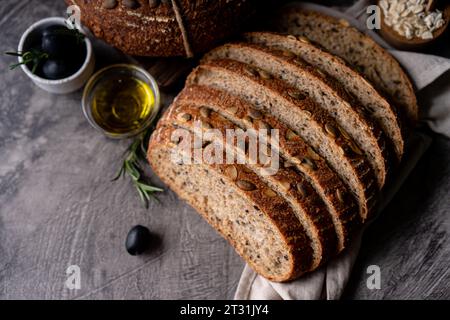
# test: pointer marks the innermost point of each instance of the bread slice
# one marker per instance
(287, 182)
(297, 111)
(384, 113)
(255, 220)
(340, 203)
(358, 49)
(325, 92)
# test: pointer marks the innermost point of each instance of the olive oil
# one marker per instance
(122, 103)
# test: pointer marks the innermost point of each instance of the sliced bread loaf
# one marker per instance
(322, 89)
(251, 216)
(294, 153)
(358, 49)
(300, 113)
(286, 182)
(375, 104)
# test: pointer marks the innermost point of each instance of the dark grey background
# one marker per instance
(58, 208)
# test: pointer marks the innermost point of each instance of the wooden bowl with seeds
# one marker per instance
(401, 42)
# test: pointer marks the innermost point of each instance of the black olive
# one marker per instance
(53, 29)
(56, 69)
(59, 46)
(138, 240)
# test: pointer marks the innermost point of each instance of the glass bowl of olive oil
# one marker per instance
(121, 100)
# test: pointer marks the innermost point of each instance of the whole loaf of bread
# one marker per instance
(164, 27)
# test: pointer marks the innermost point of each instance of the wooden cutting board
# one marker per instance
(168, 72)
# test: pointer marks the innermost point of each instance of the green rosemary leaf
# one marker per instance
(16, 54)
(33, 70)
(119, 174)
(13, 66)
(131, 166)
(149, 188)
(132, 171)
(33, 56)
(141, 196)
(146, 194)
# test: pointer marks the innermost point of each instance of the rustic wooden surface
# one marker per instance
(59, 208)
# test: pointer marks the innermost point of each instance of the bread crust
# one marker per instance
(274, 208)
(147, 31)
(403, 95)
(323, 178)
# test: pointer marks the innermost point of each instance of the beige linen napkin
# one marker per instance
(431, 79)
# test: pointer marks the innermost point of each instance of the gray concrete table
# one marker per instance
(58, 208)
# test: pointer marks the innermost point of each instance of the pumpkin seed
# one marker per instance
(109, 4)
(263, 125)
(301, 189)
(308, 164)
(331, 130)
(250, 71)
(205, 112)
(320, 72)
(264, 74)
(206, 125)
(355, 148)
(344, 133)
(303, 39)
(296, 95)
(245, 185)
(344, 23)
(248, 119)
(313, 154)
(255, 114)
(184, 117)
(231, 172)
(288, 54)
(153, 3)
(132, 4)
(291, 135)
(288, 164)
(232, 110)
(285, 184)
(339, 195)
(269, 193)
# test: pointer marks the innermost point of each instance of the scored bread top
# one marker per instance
(331, 188)
(325, 91)
(381, 110)
(277, 96)
(358, 49)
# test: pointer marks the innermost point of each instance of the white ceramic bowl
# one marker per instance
(59, 86)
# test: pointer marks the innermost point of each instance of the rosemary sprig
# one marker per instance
(33, 56)
(131, 167)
